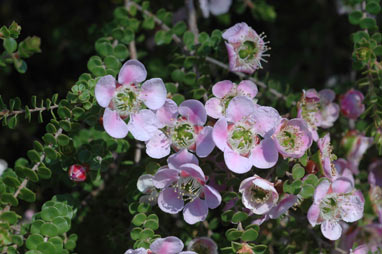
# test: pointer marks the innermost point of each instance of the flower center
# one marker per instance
(290, 138)
(125, 101)
(183, 135)
(329, 207)
(309, 110)
(248, 50)
(259, 195)
(241, 139)
(189, 188)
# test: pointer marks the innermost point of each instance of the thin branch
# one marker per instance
(210, 59)
(133, 50)
(8, 113)
(192, 20)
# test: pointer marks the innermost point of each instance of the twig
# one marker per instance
(133, 50)
(210, 59)
(192, 21)
(8, 113)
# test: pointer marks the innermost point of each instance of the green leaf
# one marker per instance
(20, 65)
(179, 28)
(61, 224)
(112, 62)
(49, 213)
(355, 17)
(139, 219)
(33, 241)
(44, 172)
(70, 245)
(10, 45)
(10, 217)
(227, 215)
(239, 216)
(148, 23)
(146, 233)
(177, 75)
(46, 248)
(373, 8)
(18, 240)
(178, 98)
(121, 52)
(49, 229)
(304, 159)
(9, 199)
(36, 225)
(12, 181)
(63, 140)
(153, 224)
(228, 196)
(27, 172)
(163, 37)
(134, 233)
(103, 48)
(298, 171)
(307, 191)
(368, 23)
(128, 36)
(249, 235)
(311, 179)
(12, 122)
(189, 39)
(143, 208)
(63, 112)
(378, 50)
(259, 249)
(233, 234)
(27, 195)
(190, 79)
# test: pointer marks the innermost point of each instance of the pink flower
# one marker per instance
(375, 181)
(203, 245)
(183, 180)
(145, 185)
(258, 194)
(292, 138)
(355, 144)
(240, 141)
(125, 98)
(182, 128)
(326, 157)
(367, 249)
(245, 48)
(308, 109)
(168, 245)
(216, 7)
(344, 169)
(351, 104)
(328, 111)
(224, 92)
(334, 202)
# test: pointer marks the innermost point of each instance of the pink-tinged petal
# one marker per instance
(351, 104)
(351, 208)
(137, 251)
(222, 88)
(168, 245)
(204, 142)
(266, 120)
(153, 93)
(246, 183)
(321, 191)
(331, 230)
(132, 71)
(194, 111)
(213, 108)
(143, 125)
(104, 90)
(164, 177)
(187, 252)
(265, 154)
(261, 220)
(283, 206)
(236, 33)
(168, 113)
(313, 214)
(247, 88)
(218, 7)
(195, 211)
(158, 145)
(169, 201)
(327, 96)
(114, 125)
(181, 157)
(342, 185)
(232, 56)
(239, 108)
(193, 170)
(329, 115)
(220, 134)
(213, 197)
(375, 173)
(145, 183)
(237, 163)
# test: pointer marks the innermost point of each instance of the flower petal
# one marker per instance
(194, 111)
(193, 170)
(222, 88)
(169, 201)
(104, 90)
(283, 206)
(218, 7)
(313, 214)
(342, 185)
(331, 230)
(220, 134)
(236, 33)
(239, 107)
(266, 120)
(321, 191)
(153, 93)
(237, 163)
(351, 208)
(164, 177)
(265, 155)
(327, 96)
(195, 211)
(158, 145)
(180, 158)
(143, 125)
(247, 88)
(204, 142)
(145, 183)
(132, 71)
(213, 108)
(168, 245)
(114, 125)
(168, 113)
(213, 197)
